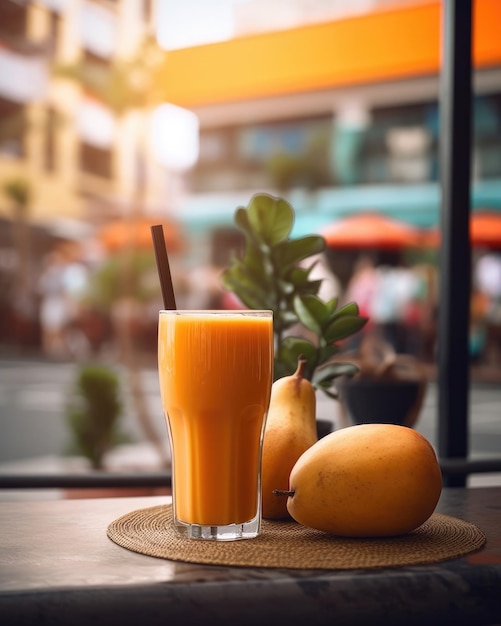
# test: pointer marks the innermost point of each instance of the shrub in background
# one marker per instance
(94, 413)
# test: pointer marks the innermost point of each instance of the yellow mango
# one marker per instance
(368, 480)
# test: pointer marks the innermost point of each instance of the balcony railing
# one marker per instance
(95, 480)
(451, 467)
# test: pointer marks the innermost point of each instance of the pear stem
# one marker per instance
(301, 364)
(283, 492)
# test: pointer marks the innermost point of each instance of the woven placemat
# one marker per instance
(284, 544)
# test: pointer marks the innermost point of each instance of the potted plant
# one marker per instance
(274, 273)
(388, 387)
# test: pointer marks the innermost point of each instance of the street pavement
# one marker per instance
(34, 394)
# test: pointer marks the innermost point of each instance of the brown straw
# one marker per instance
(157, 234)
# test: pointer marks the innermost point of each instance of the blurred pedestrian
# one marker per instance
(487, 280)
(361, 289)
(479, 306)
(54, 311)
(205, 290)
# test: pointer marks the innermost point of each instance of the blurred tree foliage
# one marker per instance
(19, 191)
(107, 285)
(123, 84)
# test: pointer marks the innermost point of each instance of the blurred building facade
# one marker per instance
(83, 158)
(332, 104)
(76, 108)
(339, 115)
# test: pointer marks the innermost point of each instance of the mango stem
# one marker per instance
(283, 492)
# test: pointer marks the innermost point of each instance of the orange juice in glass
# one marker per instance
(215, 372)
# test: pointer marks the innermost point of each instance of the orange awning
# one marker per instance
(135, 233)
(371, 230)
(385, 44)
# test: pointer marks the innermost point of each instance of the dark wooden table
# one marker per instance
(57, 566)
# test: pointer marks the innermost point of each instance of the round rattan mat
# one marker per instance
(284, 544)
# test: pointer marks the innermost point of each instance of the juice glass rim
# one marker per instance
(256, 312)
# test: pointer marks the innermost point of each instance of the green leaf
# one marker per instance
(332, 304)
(303, 286)
(298, 276)
(348, 309)
(242, 221)
(291, 349)
(271, 218)
(343, 327)
(328, 373)
(326, 388)
(253, 300)
(311, 287)
(327, 352)
(291, 252)
(250, 275)
(253, 295)
(257, 265)
(312, 312)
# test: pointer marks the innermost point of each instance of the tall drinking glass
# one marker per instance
(215, 371)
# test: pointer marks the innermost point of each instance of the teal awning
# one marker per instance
(415, 204)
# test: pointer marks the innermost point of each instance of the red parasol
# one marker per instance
(371, 230)
(485, 229)
(135, 232)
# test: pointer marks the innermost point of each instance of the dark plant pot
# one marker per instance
(324, 427)
(381, 401)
